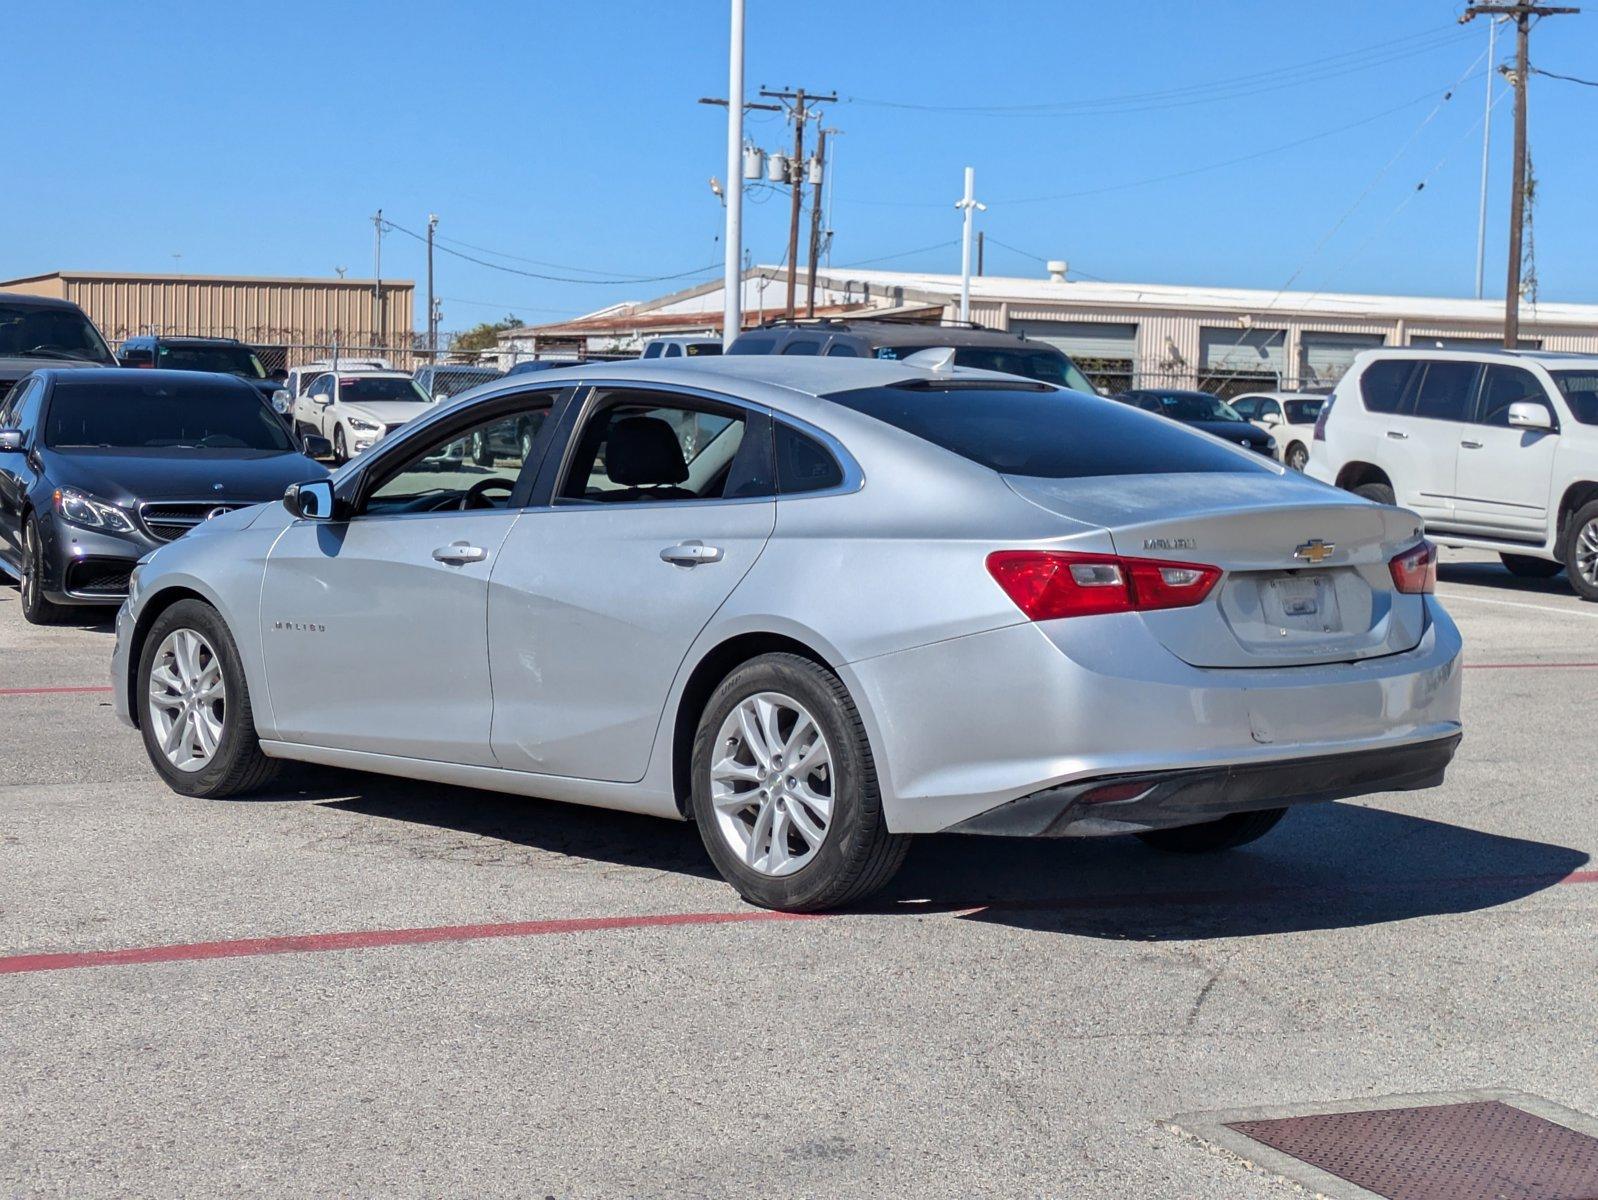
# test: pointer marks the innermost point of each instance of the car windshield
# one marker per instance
(43, 331)
(1046, 366)
(133, 414)
(1303, 412)
(227, 360)
(360, 389)
(1044, 432)
(1193, 406)
(1580, 390)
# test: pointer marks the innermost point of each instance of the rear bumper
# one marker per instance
(1164, 799)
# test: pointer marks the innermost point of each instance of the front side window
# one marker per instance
(1248, 407)
(640, 447)
(1502, 386)
(1445, 390)
(1303, 412)
(1384, 385)
(1580, 390)
(198, 416)
(673, 350)
(652, 350)
(464, 469)
(1044, 432)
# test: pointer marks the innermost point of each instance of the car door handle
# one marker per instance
(458, 553)
(1471, 445)
(690, 554)
(1397, 435)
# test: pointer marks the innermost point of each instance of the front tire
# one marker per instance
(785, 791)
(1379, 493)
(1581, 552)
(1527, 567)
(481, 454)
(194, 706)
(1297, 457)
(37, 609)
(1231, 831)
(340, 454)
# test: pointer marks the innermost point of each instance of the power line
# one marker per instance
(537, 262)
(1315, 71)
(1566, 78)
(411, 233)
(900, 254)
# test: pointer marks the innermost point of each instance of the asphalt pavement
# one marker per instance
(542, 1000)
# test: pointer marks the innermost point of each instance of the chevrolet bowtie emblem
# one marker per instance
(1314, 550)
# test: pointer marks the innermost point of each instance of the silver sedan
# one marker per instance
(815, 606)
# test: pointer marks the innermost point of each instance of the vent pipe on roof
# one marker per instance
(1057, 269)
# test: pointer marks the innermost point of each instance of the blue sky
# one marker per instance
(259, 138)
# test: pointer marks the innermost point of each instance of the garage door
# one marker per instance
(1251, 351)
(1083, 339)
(1326, 357)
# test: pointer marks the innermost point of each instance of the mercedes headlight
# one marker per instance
(89, 512)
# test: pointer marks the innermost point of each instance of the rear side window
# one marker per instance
(1046, 433)
(1580, 389)
(842, 350)
(1384, 386)
(803, 346)
(804, 464)
(752, 343)
(1446, 390)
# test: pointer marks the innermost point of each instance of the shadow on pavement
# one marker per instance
(1493, 575)
(1327, 866)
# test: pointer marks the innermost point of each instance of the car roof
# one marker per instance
(370, 372)
(123, 377)
(24, 300)
(1551, 359)
(1281, 395)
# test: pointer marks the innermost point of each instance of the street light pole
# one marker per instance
(969, 204)
(732, 275)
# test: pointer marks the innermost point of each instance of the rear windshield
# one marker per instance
(131, 415)
(229, 360)
(43, 331)
(356, 388)
(1580, 389)
(1045, 433)
(1187, 406)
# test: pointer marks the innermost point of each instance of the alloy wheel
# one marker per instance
(187, 698)
(771, 783)
(32, 567)
(1587, 552)
(1298, 458)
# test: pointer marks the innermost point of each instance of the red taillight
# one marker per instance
(1049, 584)
(1415, 570)
(1320, 417)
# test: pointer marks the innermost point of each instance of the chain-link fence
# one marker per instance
(1123, 374)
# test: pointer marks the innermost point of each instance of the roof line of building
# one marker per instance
(196, 277)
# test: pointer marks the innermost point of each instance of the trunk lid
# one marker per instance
(1306, 577)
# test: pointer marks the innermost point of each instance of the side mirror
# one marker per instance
(1530, 414)
(440, 397)
(321, 398)
(313, 500)
(314, 445)
(11, 441)
(1270, 418)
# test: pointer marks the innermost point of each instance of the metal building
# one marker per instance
(287, 319)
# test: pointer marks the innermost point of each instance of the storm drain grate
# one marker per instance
(1482, 1151)
(1456, 1146)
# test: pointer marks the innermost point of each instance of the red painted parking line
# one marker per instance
(48, 691)
(368, 939)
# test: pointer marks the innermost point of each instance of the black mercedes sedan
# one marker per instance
(99, 466)
(1202, 410)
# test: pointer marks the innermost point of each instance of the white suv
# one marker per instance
(1496, 449)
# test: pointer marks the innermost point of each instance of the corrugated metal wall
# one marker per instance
(259, 311)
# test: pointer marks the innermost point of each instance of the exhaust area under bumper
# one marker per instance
(1130, 803)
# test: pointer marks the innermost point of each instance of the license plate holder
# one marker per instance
(1304, 601)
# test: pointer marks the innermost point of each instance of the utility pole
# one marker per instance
(969, 204)
(980, 246)
(799, 101)
(432, 309)
(815, 219)
(1486, 147)
(1521, 14)
(377, 275)
(732, 286)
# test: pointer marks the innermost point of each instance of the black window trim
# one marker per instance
(853, 477)
(592, 396)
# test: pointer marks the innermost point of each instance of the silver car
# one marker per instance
(815, 606)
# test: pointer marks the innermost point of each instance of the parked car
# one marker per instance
(1495, 449)
(37, 331)
(1201, 410)
(226, 356)
(299, 378)
(973, 345)
(874, 601)
(99, 467)
(445, 381)
(354, 411)
(1288, 416)
(681, 347)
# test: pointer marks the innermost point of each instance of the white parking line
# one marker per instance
(1563, 612)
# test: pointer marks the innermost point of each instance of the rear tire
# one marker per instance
(773, 855)
(233, 762)
(37, 609)
(1236, 829)
(1297, 457)
(1379, 493)
(1581, 551)
(1527, 567)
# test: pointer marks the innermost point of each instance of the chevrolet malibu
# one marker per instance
(815, 606)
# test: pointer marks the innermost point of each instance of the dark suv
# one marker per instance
(225, 356)
(38, 331)
(974, 346)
